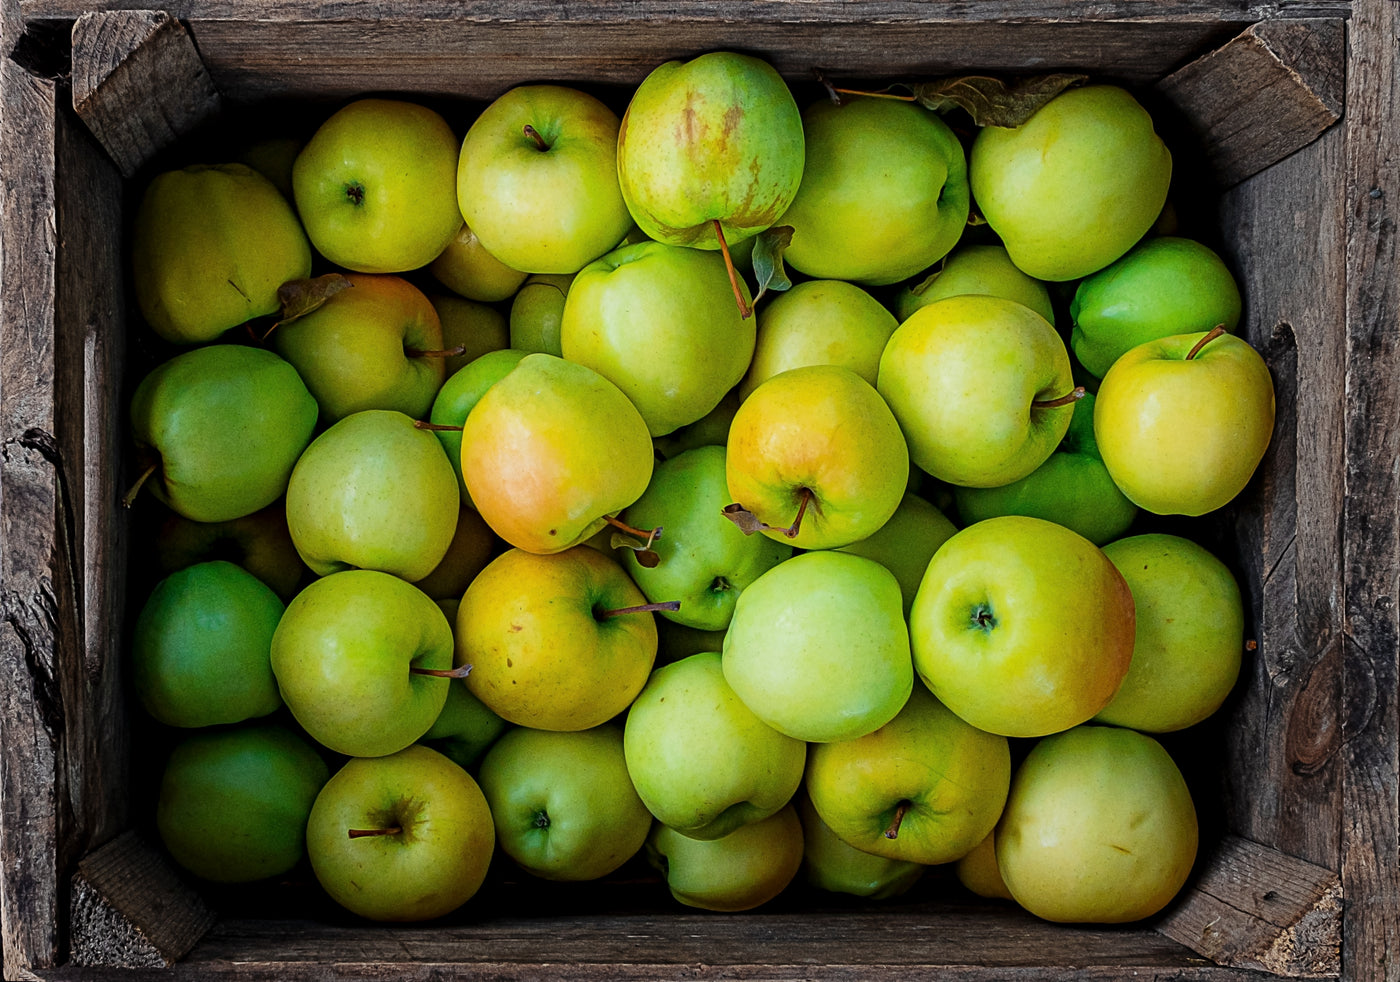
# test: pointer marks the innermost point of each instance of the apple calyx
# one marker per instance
(983, 619)
(355, 193)
(460, 672)
(423, 424)
(749, 523)
(129, 498)
(534, 134)
(900, 811)
(1214, 333)
(461, 349)
(745, 311)
(606, 613)
(1069, 398)
(541, 820)
(366, 833)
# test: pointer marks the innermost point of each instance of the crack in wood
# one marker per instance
(20, 614)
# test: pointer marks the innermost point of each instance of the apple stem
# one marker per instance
(745, 311)
(366, 833)
(1069, 398)
(893, 831)
(639, 609)
(534, 134)
(460, 672)
(805, 496)
(461, 349)
(423, 424)
(650, 535)
(129, 498)
(1214, 333)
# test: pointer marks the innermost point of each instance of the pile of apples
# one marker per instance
(462, 537)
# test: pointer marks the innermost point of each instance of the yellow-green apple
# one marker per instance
(710, 430)
(884, 193)
(818, 647)
(234, 801)
(537, 179)
(1189, 638)
(676, 641)
(702, 560)
(978, 871)
(473, 328)
(905, 544)
(363, 660)
(551, 451)
(1162, 286)
(210, 247)
(459, 396)
(1182, 422)
(1022, 627)
(819, 322)
(536, 313)
(553, 640)
(830, 864)
(656, 321)
(747, 868)
(219, 429)
(467, 269)
(465, 728)
(376, 345)
(273, 158)
(376, 186)
(744, 771)
(1076, 185)
(373, 492)
(259, 542)
(472, 546)
(926, 787)
(406, 837)
(200, 651)
(1099, 828)
(981, 387)
(563, 804)
(1072, 488)
(815, 455)
(975, 269)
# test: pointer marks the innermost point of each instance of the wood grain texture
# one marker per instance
(138, 83)
(1262, 96)
(1255, 907)
(1371, 675)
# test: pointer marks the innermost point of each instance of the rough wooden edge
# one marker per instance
(1255, 907)
(138, 83)
(1269, 92)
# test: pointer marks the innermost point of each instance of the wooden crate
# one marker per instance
(1303, 880)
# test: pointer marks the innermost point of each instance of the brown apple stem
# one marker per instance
(461, 349)
(129, 498)
(650, 535)
(893, 831)
(423, 424)
(805, 497)
(745, 311)
(639, 609)
(460, 672)
(534, 134)
(366, 833)
(1069, 398)
(874, 95)
(1214, 333)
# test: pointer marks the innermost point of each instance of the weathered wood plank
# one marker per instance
(1255, 907)
(1262, 96)
(1371, 736)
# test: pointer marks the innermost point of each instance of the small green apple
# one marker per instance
(459, 396)
(975, 269)
(467, 269)
(905, 544)
(465, 728)
(743, 870)
(830, 864)
(473, 327)
(537, 312)
(978, 871)
(259, 542)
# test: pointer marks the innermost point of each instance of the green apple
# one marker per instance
(376, 345)
(200, 652)
(905, 544)
(219, 429)
(563, 804)
(819, 322)
(1072, 488)
(710, 430)
(1099, 828)
(884, 193)
(373, 492)
(926, 787)
(979, 385)
(746, 869)
(676, 641)
(273, 158)
(818, 647)
(406, 837)
(1163, 286)
(467, 269)
(1076, 185)
(459, 396)
(537, 179)
(537, 312)
(702, 762)
(705, 561)
(473, 327)
(975, 269)
(1189, 638)
(1183, 422)
(978, 871)
(830, 864)
(259, 542)
(210, 247)
(554, 640)
(359, 658)
(376, 186)
(465, 728)
(472, 546)
(656, 320)
(234, 801)
(1022, 627)
(816, 456)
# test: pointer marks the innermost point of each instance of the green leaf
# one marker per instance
(993, 101)
(768, 268)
